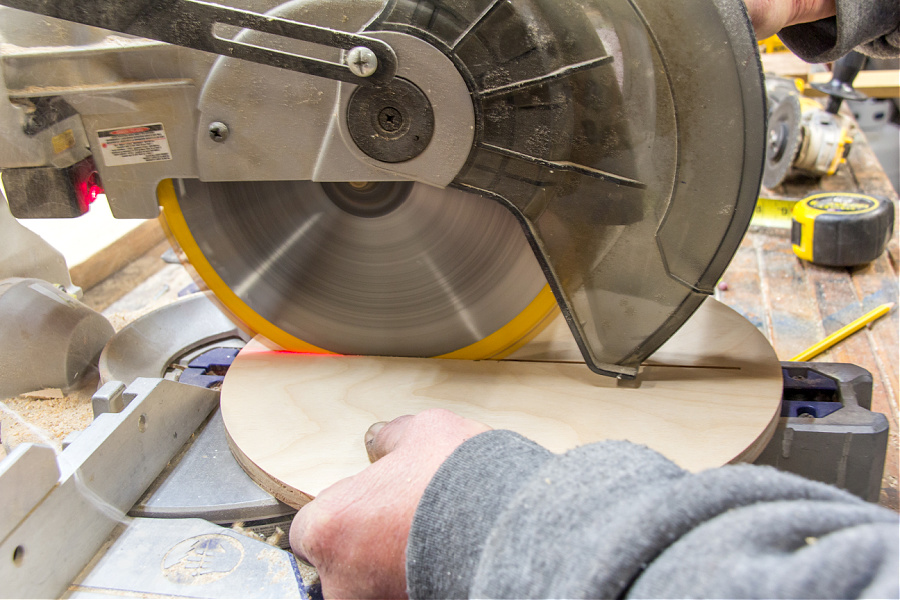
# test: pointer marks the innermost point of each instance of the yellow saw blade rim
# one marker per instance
(539, 313)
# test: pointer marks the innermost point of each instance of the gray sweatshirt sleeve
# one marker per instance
(869, 26)
(504, 517)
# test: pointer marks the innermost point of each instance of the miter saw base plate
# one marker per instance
(191, 558)
(203, 480)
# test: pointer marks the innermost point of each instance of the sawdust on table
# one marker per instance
(46, 417)
(49, 416)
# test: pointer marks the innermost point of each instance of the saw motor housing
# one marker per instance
(628, 150)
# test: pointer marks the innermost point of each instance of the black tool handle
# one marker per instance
(840, 88)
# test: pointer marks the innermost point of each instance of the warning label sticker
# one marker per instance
(134, 144)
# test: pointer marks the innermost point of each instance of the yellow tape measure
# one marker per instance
(772, 212)
(831, 229)
(841, 230)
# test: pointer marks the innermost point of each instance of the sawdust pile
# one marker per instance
(48, 416)
(45, 417)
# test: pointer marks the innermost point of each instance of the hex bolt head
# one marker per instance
(361, 61)
(218, 131)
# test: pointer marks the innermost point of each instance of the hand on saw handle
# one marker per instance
(771, 16)
(355, 532)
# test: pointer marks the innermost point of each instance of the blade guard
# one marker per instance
(634, 170)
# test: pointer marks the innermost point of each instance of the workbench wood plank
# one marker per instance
(830, 298)
(743, 287)
(876, 284)
(790, 301)
(840, 304)
(873, 285)
(870, 178)
(296, 421)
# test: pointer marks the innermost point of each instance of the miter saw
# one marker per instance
(391, 177)
(356, 176)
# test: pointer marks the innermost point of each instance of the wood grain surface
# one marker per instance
(709, 396)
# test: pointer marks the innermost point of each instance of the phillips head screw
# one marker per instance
(218, 131)
(361, 61)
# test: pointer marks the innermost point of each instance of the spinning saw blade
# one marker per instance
(597, 156)
(381, 268)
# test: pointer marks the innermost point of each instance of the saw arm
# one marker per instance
(625, 137)
(195, 24)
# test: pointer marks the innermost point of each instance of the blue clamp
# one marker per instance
(209, 368)
(808, 393)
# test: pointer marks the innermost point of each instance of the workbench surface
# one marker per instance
(793, 303)
(796, 304)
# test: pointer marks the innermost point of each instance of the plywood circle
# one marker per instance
(709, 396)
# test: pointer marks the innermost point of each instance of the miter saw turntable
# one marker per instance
(397, 178)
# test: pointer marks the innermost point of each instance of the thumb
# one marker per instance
(384, 437)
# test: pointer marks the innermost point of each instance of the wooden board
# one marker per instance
(786, 64)
(874, 84)
(295, 422)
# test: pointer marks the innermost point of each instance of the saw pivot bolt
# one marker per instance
(392, 123)
(390, 119)
(218, 131)
(362, 61)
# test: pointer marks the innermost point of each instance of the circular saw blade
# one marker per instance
(388, 268)
(783, 138)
